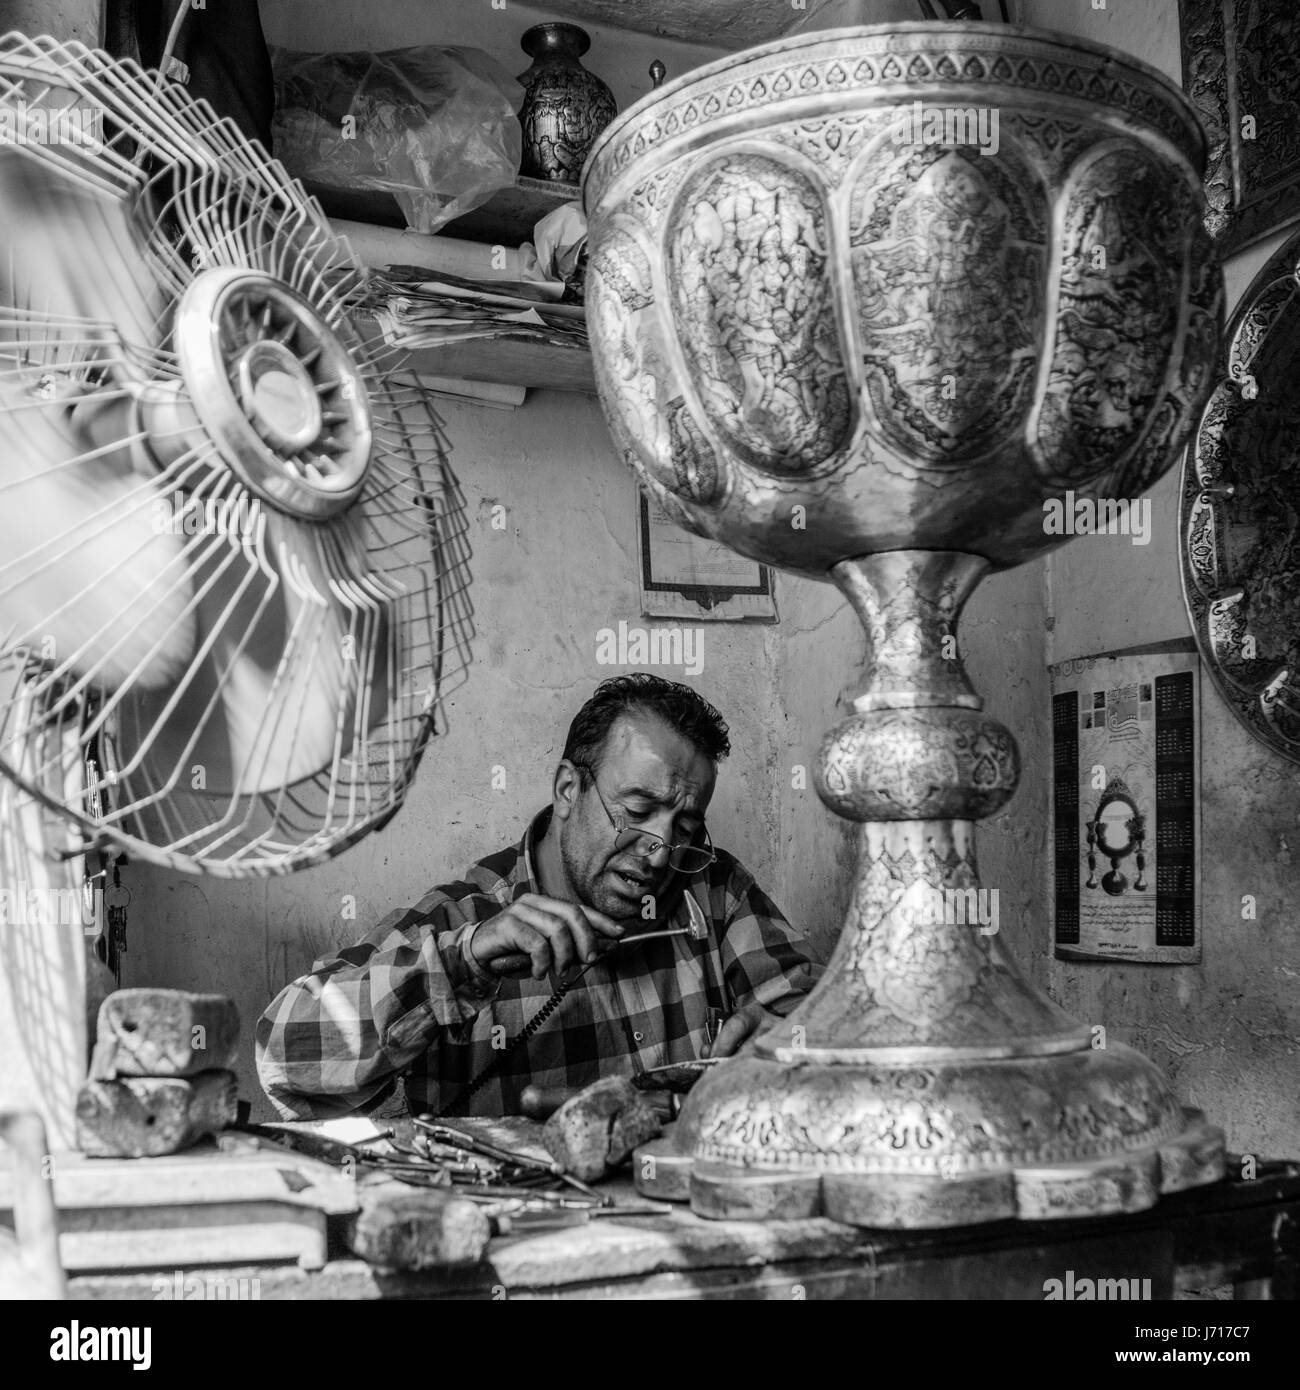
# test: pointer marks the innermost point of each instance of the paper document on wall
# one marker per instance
(1126, 806)
(688, 576)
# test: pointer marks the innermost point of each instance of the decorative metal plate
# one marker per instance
(1240, 517)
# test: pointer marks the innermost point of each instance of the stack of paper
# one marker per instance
(414, 311)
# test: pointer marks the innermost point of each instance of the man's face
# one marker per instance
(653, 780)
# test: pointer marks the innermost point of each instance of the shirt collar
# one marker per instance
(524, 877)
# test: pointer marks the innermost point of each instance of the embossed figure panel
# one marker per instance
(754, 313)
(655, 430)
(949, 255)
(1123, 261)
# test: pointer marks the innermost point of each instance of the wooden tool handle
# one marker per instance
(516, 963)
(541, 1102)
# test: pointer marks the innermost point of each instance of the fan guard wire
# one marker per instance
(260, 690)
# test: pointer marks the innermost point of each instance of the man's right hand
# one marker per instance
(536, 935)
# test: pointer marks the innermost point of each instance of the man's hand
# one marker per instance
(738, 1029)
(536, 935)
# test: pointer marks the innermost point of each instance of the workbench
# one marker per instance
(1245, 1234)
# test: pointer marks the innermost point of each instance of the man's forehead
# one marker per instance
(642, 749)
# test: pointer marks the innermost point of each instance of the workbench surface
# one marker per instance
(1246, 1234)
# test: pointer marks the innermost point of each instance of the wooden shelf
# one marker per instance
(506, 219)
(508, 360)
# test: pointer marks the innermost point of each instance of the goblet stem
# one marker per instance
(920, 971)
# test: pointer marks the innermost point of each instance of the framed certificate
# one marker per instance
(686, 576)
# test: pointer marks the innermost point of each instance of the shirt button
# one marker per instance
(638, 1037)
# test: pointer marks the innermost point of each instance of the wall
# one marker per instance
(65, 19)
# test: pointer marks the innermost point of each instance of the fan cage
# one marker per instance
(372, 602)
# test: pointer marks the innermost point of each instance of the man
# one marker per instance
(435, 992)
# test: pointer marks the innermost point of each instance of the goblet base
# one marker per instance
(1088, 1133)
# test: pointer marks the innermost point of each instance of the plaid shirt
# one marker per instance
(407, 1002)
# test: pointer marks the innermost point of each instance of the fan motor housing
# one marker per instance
(276, 390)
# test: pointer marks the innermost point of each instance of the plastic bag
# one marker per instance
(435, 127)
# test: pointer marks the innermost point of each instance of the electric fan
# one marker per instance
(233, 554)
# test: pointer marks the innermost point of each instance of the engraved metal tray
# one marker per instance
(1240, 512)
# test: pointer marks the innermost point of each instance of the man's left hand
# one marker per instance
(737, 1030)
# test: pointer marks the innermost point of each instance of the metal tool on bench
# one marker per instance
(454, 1160)
(524, 1215)
(459, 1139)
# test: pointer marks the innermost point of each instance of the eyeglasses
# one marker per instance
(685, 858)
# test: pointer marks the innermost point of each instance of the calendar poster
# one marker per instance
(1126, 806)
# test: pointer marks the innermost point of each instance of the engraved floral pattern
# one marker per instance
(652, 427)
(1241, 512)
(920, 971)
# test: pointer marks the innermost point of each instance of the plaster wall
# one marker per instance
(64, 19)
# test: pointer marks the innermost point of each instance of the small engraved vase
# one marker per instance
(565, 106)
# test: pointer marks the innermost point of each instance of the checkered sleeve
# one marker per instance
(765, 960)
(335, 1041)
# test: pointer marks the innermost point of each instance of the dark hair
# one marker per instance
(677, 705)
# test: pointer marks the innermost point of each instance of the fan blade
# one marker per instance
(273, 699)
(73, 253)
(87, 576)
(254, 682)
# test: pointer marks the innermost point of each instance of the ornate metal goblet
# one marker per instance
(861, 303)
